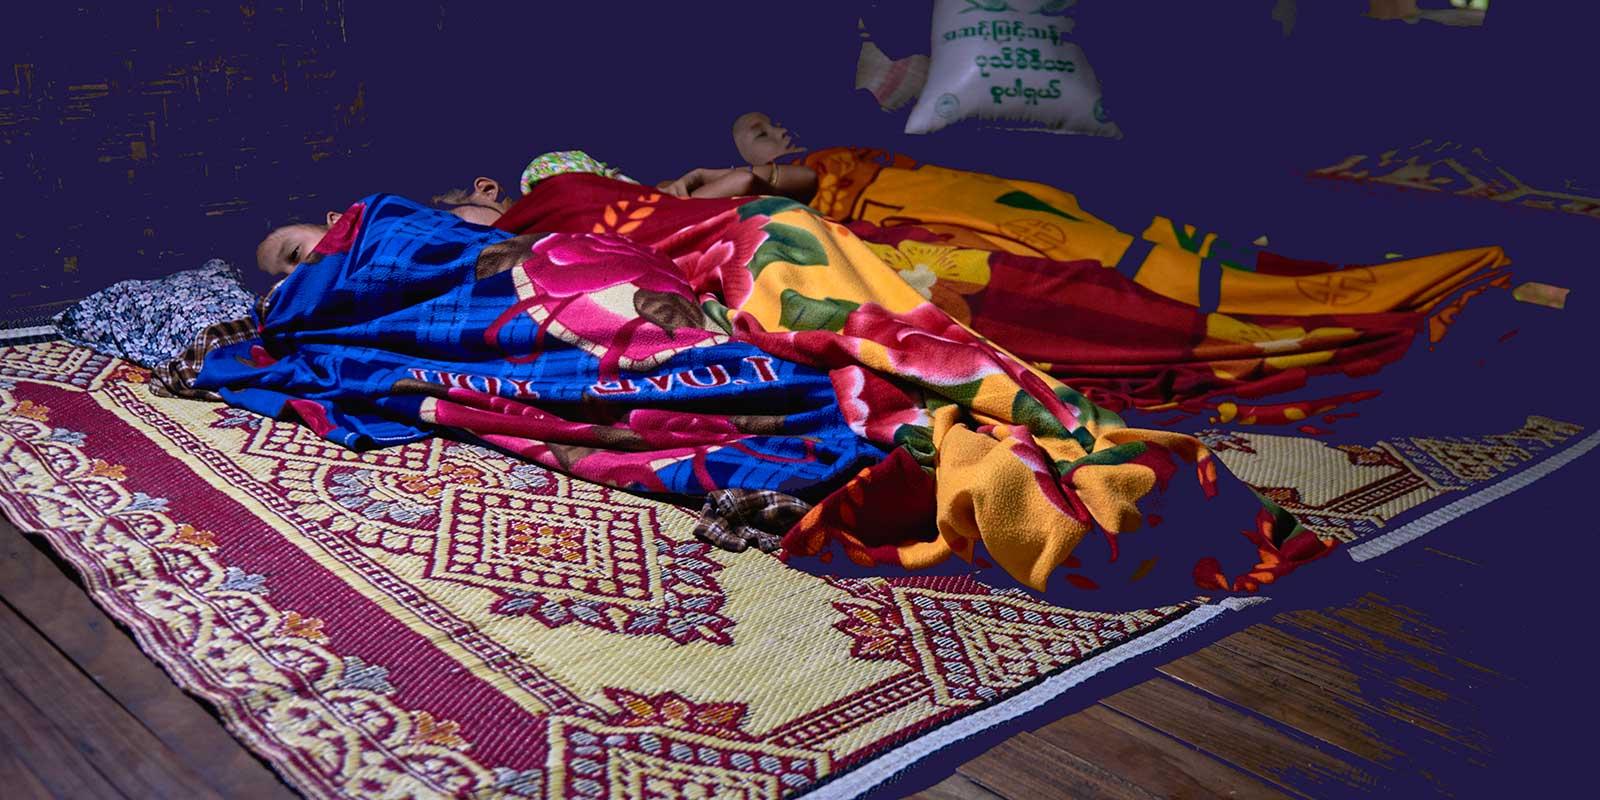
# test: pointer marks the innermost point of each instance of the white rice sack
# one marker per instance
(893, 82)
(1009, 60)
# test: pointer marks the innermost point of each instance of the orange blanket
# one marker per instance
(1031, 219)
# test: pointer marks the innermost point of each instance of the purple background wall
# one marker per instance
(138, 138)
(143, 137)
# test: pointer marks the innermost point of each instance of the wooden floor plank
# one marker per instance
(1424, 687)
(1025, 766)
(18, 779)
(1344, 673)
(1242, 740)
(89, 718)
(60, 609)
(1156, 762)
(955, 787)
(54, 762)
(1291, 701)
(1410, 627)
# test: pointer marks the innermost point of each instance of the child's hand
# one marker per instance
(686, 185)
(730, 183)
(677, 188)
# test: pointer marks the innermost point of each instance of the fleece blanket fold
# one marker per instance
(1183, 318)
(987, 452)
(579, 352)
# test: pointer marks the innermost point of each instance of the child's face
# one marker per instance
(288, 247)
(760, 140)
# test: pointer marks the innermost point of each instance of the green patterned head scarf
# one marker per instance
(562, 162)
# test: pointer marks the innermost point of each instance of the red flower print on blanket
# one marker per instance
(621, 301)
(720, 266)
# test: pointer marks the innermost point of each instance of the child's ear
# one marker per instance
(333, 216)
(487, 186)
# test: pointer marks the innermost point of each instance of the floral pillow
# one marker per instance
(151, 322)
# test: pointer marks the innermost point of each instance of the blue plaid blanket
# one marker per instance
(583, 352)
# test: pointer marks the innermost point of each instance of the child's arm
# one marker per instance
(731, 183)
(692, 181)
(788, 180)
(794, 181)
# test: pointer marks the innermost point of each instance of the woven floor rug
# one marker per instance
(439, 620)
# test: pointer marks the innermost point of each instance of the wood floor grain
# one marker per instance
(109, 671)
(1157, 762)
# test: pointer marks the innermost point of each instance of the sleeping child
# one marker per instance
(289, 246)
(761, 142)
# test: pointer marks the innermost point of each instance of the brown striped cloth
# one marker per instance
(176, 377)
(737, 519)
